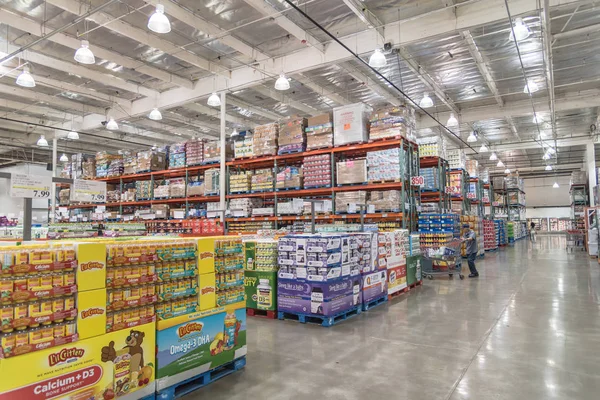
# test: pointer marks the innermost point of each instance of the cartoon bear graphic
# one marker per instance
(133, 343)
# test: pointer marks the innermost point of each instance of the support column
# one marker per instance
(222, 169)
(53, 186)
(590, 167)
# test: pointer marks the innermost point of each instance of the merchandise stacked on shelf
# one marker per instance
(579, 199)
(514, 189)
(436, 230)
(516, 230)
(260, 279)
(264, 140)
(351, 124)
(317, 275)
(73, 230)
(317, 171)
(490, 240)
(384, 165)
(243, 145)
(456, 158)
(291, 137)
(319, 132)
(476, 224)
(431, 177)
(472, 168)
(38, 293)
(432, 147)
(501, 232)
(394, 121)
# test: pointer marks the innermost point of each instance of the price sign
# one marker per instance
(471, 196)
(496, 204)
(486, 199)
(88, 191)
(449, 189)
(417, 181)
(30, 186)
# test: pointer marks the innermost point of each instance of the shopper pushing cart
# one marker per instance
(470, 238)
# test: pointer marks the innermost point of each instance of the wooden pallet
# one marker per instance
(253, 312)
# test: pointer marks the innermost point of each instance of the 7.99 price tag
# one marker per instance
(30, 186)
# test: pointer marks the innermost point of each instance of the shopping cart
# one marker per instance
(574, 240)
(444, 260)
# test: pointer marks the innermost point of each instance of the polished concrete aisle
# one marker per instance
(528, 328)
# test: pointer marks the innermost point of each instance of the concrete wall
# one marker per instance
(552, 212)
(12, 207)
(539, 192)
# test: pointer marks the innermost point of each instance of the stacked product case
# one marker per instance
(261, 274)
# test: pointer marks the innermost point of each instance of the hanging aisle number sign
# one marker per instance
(417, 181)
(88, 191)
(30, 186)
(471, 196)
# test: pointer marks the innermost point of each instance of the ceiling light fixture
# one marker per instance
(158, 21)
(42, 142)
(548, 168)
(214, 100)
(531, 87)
(155, 115)
(426, 101)
(63, 158)
(500, 164)
(25, 79)
(377, 59)
(555, 186)
(282, 83)
(452, 121)
(472, 137)
(507, 171)
(483, 148)
(73, 135)
(546, 156)
(551, 150)
(520, 29)
(84, 55)
(112, 125)
(493, 157)
(234, 132)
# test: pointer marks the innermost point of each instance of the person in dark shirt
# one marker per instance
(470, 238)
(532, 232)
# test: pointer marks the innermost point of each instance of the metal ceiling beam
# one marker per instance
(482, 66)
(43, 111)
(34, 28)
(68, 87)
(577, 32)
(512, 126)
(281, 97)
(373, 84)
(337, 98)
(285, 23)
(253, 109)
(214, 112)
(195, 21)
(85, 72)
(548, 61)
(37, 96)
(193, 124)
(415, 29)
(143, 36)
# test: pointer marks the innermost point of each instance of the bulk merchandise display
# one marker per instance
(489, 235)
(291, 137)
(437, 230)
(317, 171)
(319, 132)
(260, 279)
(432, 147)
(456, 158)
(351, 124)
(395, 121)
(501, 232)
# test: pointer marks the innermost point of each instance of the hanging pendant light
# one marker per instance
(548, 168)
(155, 115)
(25, 79)
(521, 30)
(234, 132)
(158, 21)
(531, 87)
(63, 158)
(500, 164)
(493, 157)
(483, 148)
(73, 135)
(555, 186)
(546, 156)
(507, 171)
(426, 101)
(452, 121)
(377, 59)
(472, 137)
(214, 100)
(84, 55)
(42, 142)
(282, 83)
(112, 125)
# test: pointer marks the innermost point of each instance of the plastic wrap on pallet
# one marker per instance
(129, 162)
(177, 155)
(262, 180)
(485, 175)
(472, 168)
(243, 207)
(211, 182)
(150, 161)
(212, 151)
(498, 182)
(291, 137)
(456, 158)
(319, 132)
(433, 146)
(351, 124)
(317, 171)
(239, 182)
(343, 199)
(389, 122)
(579, 178)
(264, 140)
(431, 178)
(386, 200)
(288, 177)
(351, 171)
(384, 165)
(194, 152)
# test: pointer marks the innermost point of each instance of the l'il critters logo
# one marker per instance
(91, 312)
(206, 254)
(91, 265)
(64, 355)
(189, 328)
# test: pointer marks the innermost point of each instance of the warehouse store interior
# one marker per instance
(295, 198)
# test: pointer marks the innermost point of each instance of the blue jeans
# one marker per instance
(471, 260)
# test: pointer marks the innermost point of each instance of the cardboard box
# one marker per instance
(113, 365)
(195, 343)
(91, 313)
(351, 124)
(374, 286)
(261, 289)
(396, 279)
(351, 171)
(320, 119)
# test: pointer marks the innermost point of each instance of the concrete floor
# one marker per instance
(528, 328)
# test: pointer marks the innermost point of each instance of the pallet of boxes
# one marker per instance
(260, 278)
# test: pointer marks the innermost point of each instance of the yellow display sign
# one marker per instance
(103, 367)
(91, 266)
(91, 318)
